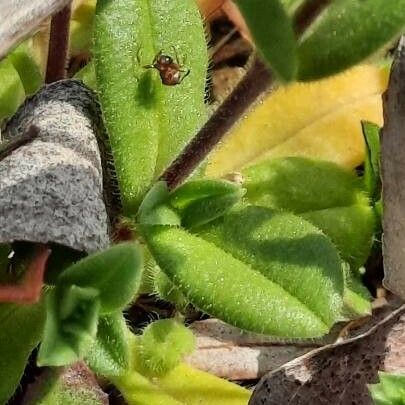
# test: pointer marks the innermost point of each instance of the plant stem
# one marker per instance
(58, 46)
(10, 146)
(255, 82)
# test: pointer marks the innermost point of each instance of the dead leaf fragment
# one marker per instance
(209, 8)
(229, 352)
(338, 373)
(212, 8)
(393, 177)
(20, 18)
(233, 13)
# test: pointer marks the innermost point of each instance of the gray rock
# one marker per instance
(51, 190)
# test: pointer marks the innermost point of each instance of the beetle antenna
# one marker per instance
(185, 75)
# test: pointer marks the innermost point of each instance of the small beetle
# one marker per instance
(171, 73)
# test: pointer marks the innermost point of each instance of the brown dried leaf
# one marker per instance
(338, 373)
(224, 80)
(231, 353)
(233, 13)
(393, 176)
(20, 18)
(210, 8)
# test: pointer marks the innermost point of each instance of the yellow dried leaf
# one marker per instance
(318, 120)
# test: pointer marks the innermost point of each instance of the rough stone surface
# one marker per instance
(51, 190)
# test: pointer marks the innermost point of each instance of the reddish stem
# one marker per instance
(29, 291)
(256, 80)
(58, 46)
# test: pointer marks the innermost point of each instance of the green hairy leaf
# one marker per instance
(350, 228)
(390, 390)
(300, 185)
(100, 284)
(288, 251)
(21, 330)
(148, 122)
(273, 33)
(323, 193)
(372, 181)
(277, 303)
(163, 345)
(202, 201)
(81, 27)
(356, 298)
(70, 327)
(192, 204)
(114, 273)
(154, 209)
(87, 75)
(291, 5)
(11, 90)
(166, 290)
(27, 68)
(347, 32)
(110, 355)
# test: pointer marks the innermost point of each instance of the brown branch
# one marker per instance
(256, 81)
(10, 146)
(29, 291)
(58, 46)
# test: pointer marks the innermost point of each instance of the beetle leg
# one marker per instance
(186, 73)
(155, 59)
(175, 54)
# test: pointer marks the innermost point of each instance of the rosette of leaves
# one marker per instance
(83, 309)
(250, 266)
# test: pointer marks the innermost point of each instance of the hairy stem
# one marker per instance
(256, 81)
(58, 46)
